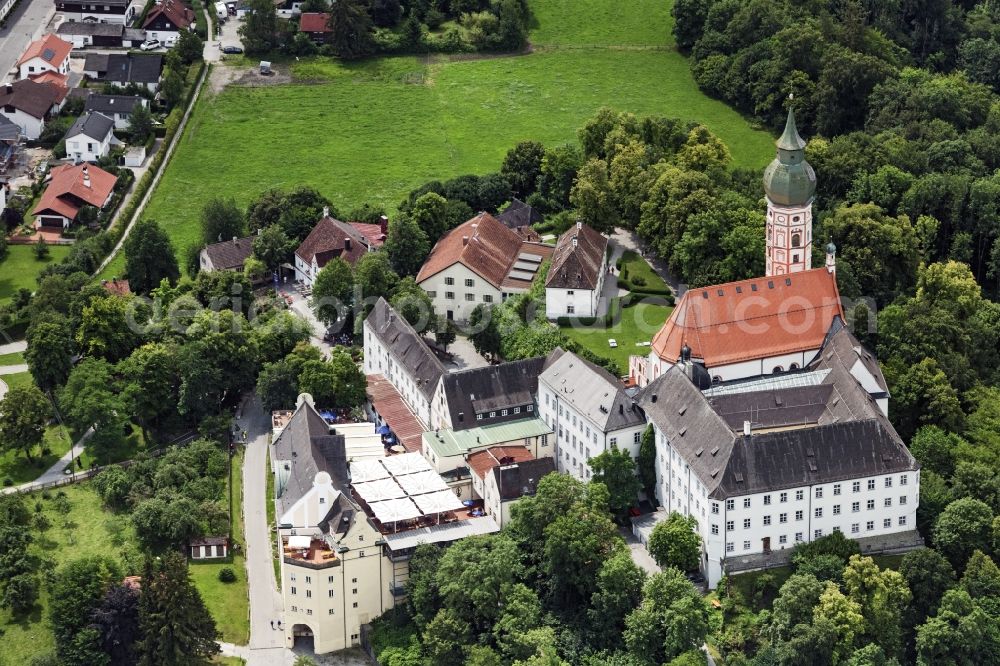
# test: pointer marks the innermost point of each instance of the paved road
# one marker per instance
(54, 473)
(13, 369)
(24, 25)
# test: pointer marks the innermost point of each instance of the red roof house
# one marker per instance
(70, 189)
(315, 24)
(329, 239)
(48, 54)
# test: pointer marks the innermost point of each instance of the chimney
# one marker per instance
(465, 240)
(235, 239)
(347, 243)
(383, 224)
(746, 429)
(579, 225)
(260, 231)
(9, 88)
(574, 241)
(86, 177)
(326, 211)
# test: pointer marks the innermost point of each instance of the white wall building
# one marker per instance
(503, 475)
(589, 412)
(90, 138)
(576, 277)
(48, 54)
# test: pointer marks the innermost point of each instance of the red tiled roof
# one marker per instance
(484, 246)
(327, 240)
(67, 191)
(49, 48)
(482, 462)
(752, 319)
(176, 12)
(388, 404)
(314, 22)
(55, 78)
(372, 232)
(117, 287)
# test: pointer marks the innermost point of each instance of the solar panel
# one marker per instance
(527, 256)
(521, 275)
(48, 54)
(525, 266)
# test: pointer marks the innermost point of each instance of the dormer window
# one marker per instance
(322, 500)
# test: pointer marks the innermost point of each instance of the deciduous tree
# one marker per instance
(674, 542)
(149, 257)
(24, 412)
(616, 469)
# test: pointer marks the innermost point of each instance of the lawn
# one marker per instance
(371, 131)
(14, 358)
(638, 322)
(85, 529)
(639, 268)
(18, 379)
(20, 268)
(228, 602)
(17, 468)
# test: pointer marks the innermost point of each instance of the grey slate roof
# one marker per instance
(519, 214)
(95, 125)
(108, 104)
(842, 344)
(515, 481)
(8, 130)
(303, 449)
(230, 254)
(125, 68)
(773, 409)
(491, 388)
(835, 452)
(593, 391)
(578, 259)
(409, 348)
(89, 28)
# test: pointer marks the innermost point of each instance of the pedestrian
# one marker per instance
(272, 624)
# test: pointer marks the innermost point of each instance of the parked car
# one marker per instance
(150, 45)
(612, 343)
(232, 50)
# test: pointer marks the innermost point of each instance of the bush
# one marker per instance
(8, 482)
(227, 575)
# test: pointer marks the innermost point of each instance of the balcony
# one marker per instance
(308, 552)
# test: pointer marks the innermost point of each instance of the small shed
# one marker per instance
(209, 548)
(135, 156)
(265, 68)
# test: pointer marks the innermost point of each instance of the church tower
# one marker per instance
(789, 183)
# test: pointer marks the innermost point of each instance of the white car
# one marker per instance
(150, 45)
(612, 343)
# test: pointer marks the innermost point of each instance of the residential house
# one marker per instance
(315, 25)
(519, 216)
(29, 104)
(766, 463)
(10, 136)
(82, 34)
(117, 107)
(374, 233)
(329, 239)
(90, 138)
(48, 54)
(484, 396)
(116, 286)
(479, 262)
(589, 411)
(575, 280)
(227, 255)
(502, 475)
(106, 11)
(397, 352)
(448, 450)
(209, 548)
(125, 68)
(70, 188)
(167, 19)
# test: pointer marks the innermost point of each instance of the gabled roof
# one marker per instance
(593, 391)
(125, 68)
(752, 319)
(851, 354)
(490, 250)
(92, 124)
(49, 48)
(304, 448)
(70, 187)
(331, 238)
(61, 81)
(230, 254)
(521, 479)
(373, 233)
(314, 22)
(179, 14)
(492, 388)
(32, 97)
(519, 214)
(109, 104)
(578, 259)
(482, 462)
(407, 346)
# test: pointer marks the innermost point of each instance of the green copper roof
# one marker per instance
(447, 443)
(789, 180)
(790, 139)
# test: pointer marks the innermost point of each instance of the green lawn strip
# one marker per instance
(348, 137)
(85, 529)
(16, 467)
(270, 509)
(15, 358)
(601, 23)
(639, 267)
(227, 602)
(18, 379)
(20, 269)
(639, 322)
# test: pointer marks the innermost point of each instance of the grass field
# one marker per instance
(371, 131)
(639, 268)
(86, 529)
(20, 268)
(228, 602)
(14, 358)
(17, 468)
(639, 322)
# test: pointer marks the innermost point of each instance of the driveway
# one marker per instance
(628, 240)
(466, 356)
(228, 36)
(300, 308)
